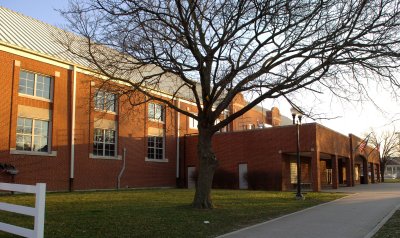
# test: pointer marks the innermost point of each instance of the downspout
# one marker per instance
(72, 171)
(178, 123)
(122, 170)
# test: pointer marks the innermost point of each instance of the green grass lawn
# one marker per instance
(156, 212)
(391, 228)
(387, 180)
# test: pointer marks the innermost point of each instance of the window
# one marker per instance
(104, 143)
(293, 172)
(155, 147)
(32, 135)
(193, 123)
(105, 101)
(34, 84)
(156, 112)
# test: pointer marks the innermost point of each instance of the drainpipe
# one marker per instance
(178, 123)
(122, 170)
(72, 171)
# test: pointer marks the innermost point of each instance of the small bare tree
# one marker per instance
(213, 50)
(388, 145)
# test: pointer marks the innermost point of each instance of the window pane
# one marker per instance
(24, 135)
(43, 86)
(26, 82)
(151, 111)
(98, 149)
(159, 112)
(110, 99)
(27, 143)
(27, 126)
(99, 100)
(104, 142)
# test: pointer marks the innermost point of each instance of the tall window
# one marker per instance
(293, 172)
(32, 135)
(193, 123)
(105, 101)
(34, 84)
(155, 147)
(156, 112)
(104, 143)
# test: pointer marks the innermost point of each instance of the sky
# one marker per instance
(355, 118)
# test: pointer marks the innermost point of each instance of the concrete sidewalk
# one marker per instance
(358, 215)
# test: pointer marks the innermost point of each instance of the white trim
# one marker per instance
(34, 97)
(156, 160)
(115, 130)
(105, 111)
(156, 120)
(35, 78)
(163, 148)
(163, 112)
(43, 58)
(49, 134)
(178, 125)
(103, 99)
(14, 151)
(34, 55)
(192, 121)
(72, 169)
(92, 156)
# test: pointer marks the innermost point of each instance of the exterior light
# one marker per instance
(295, 113)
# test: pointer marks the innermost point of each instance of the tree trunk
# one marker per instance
(207, 165)
(383, 167)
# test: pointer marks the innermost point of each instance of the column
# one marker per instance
(335, 175)
(315, 171)
(372, 173)
(349, 173)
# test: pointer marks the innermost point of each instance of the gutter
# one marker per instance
(178, 123)
(122, 170)
(72, 168)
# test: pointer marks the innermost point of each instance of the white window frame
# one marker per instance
(193, 123)
(163, 149)
(105, 102)
(34, 96)
(153, 117)
(49, 151)
(103, 156)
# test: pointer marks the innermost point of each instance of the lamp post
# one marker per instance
(295, 113)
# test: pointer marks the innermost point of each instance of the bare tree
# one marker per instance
(388, 145)
(214, 50)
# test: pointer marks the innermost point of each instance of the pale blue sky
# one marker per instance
(39, 9)
(356, 118)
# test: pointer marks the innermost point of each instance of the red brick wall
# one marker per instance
(33, 169)
(89, 173)
(261, 149)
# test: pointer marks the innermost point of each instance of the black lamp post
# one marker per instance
(295, 113)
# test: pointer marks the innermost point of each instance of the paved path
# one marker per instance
(358, 215)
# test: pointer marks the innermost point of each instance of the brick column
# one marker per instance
(335, 175)
(365, 171)
(372, 173)
(315, 171)
(349, 173)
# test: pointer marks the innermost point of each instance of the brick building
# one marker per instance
(57, 126)
(266, 158)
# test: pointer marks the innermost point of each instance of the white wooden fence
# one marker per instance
(37, 212)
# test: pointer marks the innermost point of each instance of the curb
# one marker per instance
(381, 223)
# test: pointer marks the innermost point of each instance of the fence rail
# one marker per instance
(37, 212)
